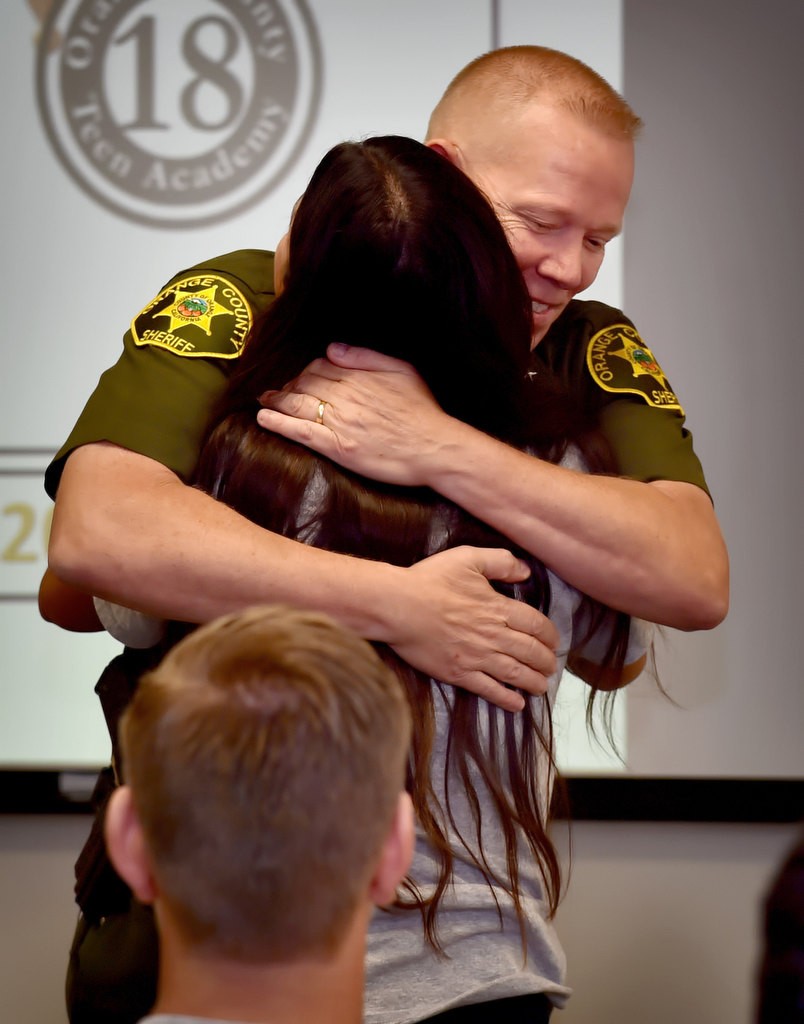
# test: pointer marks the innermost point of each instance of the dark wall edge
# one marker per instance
(590, 798)
(686, 800)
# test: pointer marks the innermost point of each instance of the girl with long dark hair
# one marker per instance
(391, 247)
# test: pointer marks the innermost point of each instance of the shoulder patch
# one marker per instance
(202, 315)
(619, 360)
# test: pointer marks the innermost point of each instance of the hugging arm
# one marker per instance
(67, 606)
(128, 529)
(650, 549)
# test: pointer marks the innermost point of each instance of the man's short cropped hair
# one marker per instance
(266, 754)
(499, 83)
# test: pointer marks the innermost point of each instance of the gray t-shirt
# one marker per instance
(180, 1018)
(406, 980)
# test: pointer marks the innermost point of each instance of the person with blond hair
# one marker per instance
(264, 815)
(552, 145)
(466, 436)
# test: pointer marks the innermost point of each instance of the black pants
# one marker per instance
(112, 970)
(533, 1009)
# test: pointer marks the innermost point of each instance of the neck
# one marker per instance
(329, 991)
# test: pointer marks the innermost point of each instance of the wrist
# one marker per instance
(444, 451)
(379, 604)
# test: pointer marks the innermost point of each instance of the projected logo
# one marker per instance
(178, 114)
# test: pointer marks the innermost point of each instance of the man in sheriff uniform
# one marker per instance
(551, 145)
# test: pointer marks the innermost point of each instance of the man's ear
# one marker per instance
(396, 854)
(449, 150)
(126, 845)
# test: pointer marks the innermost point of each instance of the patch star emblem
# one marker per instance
(206, 316)
(640, 357)
(619, 361)
(194, 308)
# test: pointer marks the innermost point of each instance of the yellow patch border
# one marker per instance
(667, 398)
(182, 336)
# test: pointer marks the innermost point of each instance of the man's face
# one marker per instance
(560, 188)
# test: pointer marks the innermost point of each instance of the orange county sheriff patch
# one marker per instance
(203, 315)
(619, 360)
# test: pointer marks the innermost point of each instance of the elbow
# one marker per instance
(708, 613)
(70, 557)
(47, 609)
(708, 604)
(105, 497)
(697, 558)
(66, 606)
(718, 608)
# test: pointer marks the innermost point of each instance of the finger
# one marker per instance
(319, 367)
(318, 371)
(313, 435)
(492, 691)
(267, 397)
(355, 358)
(316, 381)
(291, 403)
(529, 623)
(300, 406)
(521, 674)
(502, 565)
(498, 564)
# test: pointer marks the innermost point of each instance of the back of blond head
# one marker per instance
(495, 87)
(266, 754)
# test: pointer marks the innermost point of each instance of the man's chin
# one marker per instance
(538, 333)
(542, 322)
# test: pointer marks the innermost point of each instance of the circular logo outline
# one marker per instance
(201, 218)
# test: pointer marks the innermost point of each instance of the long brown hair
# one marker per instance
(393, 248)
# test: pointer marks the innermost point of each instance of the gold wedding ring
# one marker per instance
(320, 417)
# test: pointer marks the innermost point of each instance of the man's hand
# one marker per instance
(457, 628)
(374, 415)
(129, 530)
(378, 417)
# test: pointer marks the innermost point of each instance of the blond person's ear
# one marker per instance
(126, 845)
(396, 855)
(449, 150)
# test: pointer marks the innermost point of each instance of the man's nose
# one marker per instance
(564, 264)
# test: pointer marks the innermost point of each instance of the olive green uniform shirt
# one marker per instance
(180, 349)
(599, 353)
(177, 356)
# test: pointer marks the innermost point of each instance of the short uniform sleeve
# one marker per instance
(177, 356)
(651, 444)
(598, 353)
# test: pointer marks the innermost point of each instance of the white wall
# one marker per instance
(712, 265)
(660, 922)
(72, 302)
(713, 270)
(38, 914)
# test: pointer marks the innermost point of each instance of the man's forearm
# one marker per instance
(127, 529)
(650, 549)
